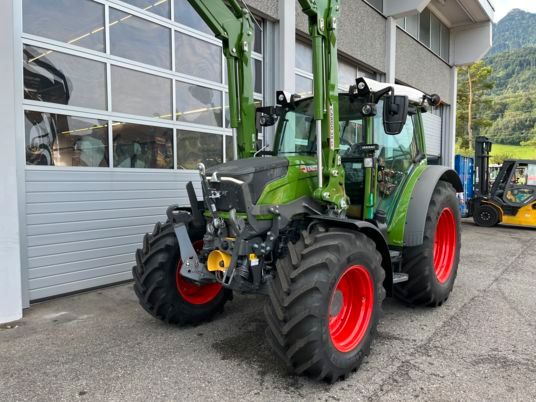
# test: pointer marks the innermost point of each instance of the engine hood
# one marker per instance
(255, 172)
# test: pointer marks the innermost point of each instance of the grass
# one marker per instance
(499, 151)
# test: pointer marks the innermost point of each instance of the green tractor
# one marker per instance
(342, 212)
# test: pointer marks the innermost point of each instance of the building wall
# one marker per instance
(361, 33)
(10, 275)
(269, 8)
(420, 68)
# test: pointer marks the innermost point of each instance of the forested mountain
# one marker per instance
(512, 110)
(507, 112)
(514, 31)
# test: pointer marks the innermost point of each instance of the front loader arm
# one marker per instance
(233, 25)
(322, 16)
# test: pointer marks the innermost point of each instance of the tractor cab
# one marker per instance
(366, 149)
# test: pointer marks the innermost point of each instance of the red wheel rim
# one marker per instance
(192, 293)
(445, 245)
(350, 308)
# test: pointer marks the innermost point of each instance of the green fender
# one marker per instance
(407, 228)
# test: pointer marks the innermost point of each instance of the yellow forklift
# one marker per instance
(511, 199)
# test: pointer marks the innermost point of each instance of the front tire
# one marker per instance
(324, 303)
(433, 266)
(162, 291)
(486, 216)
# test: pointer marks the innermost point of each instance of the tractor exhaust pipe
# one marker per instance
(319, 152)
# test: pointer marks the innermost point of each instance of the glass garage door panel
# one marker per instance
(186, 15)
(52, 76)
(141, 146)
(127, 85)
(198, 58)
(197, 104)
(79, 22)
(61, 140)
(194, 147)
(158, 7)
(139, 40)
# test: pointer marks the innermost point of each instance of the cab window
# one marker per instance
(297, 131)
(521, 188)
(531, 174)
(395, 156)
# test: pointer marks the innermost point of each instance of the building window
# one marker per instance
(197, 58)
(61, 140)
(445, 42)
(429, 30)
(412, 25)
(304, 69)
(377, 4)
(127, 85)
(424, 31)
(141, 146)
(186, 15)
(78, 23)
(161, 8)
(79, 82)
(197, 104)
(347, 74)
(197, 146)
(139, 40)
(435, 35)
(156, 80)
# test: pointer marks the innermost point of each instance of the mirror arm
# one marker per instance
(376, 96)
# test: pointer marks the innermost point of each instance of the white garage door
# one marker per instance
(432, 129)
(83, 227)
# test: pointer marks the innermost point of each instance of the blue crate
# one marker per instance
(465, 168)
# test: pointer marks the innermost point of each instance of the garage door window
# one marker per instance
(78, 23)
(141, 146)
(140, 40)
(139, 68)
(161, 8)
(79, 82)
(61, 140)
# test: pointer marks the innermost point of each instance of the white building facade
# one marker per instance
(109, 105)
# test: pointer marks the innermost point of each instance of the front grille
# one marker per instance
(231, 197)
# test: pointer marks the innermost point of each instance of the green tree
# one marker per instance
(473, 105)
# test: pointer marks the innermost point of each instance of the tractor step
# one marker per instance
(396, 256)
(399, 277)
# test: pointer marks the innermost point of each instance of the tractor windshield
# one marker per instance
(296, 132)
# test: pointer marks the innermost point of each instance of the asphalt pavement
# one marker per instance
(100, 345)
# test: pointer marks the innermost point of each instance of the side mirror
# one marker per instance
(395, 113)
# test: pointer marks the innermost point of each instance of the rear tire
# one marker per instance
(486, 216)
(325, 302)
(433, 266)
(160, 288)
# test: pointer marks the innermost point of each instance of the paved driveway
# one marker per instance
(100, 345)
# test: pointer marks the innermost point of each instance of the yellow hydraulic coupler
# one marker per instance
(218, 261)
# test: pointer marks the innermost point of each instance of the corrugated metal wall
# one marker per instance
(432, 129)
(83, 227)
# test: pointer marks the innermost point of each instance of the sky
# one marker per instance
(503, 7)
